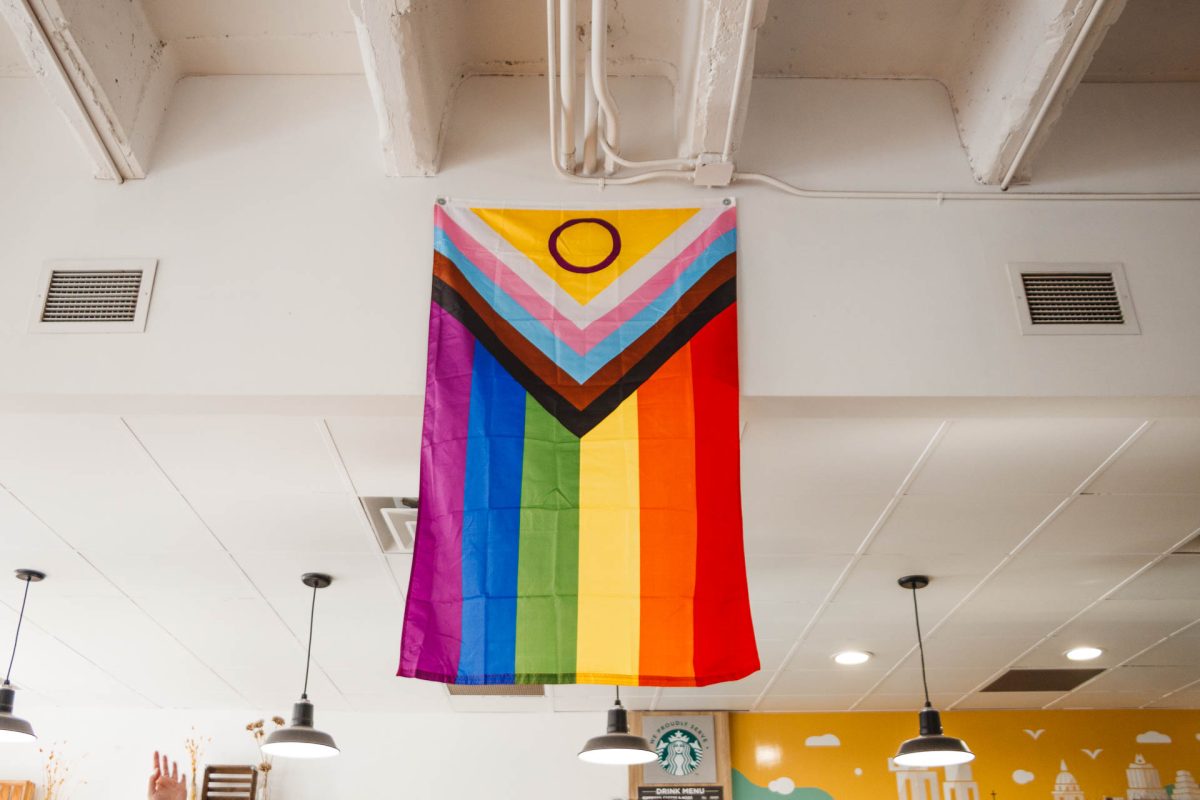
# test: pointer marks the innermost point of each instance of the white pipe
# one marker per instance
(739, 78)
(827, 194)
(1052, 95)
(566, 82)
(591, 122)
(551, 71)
(612, 123)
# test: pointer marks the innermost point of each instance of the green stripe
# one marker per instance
(548, 562)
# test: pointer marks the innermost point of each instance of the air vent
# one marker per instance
(110, 296)
(1041, 680)
(498, 690)
(1078, 299)
(394, 521)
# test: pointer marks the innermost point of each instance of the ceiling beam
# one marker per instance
(1018, 67)
(105, 69)
(715, 100)
(410, 52)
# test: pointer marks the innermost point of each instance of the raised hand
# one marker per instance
(164, 784)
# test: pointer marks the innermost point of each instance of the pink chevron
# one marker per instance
(581, 340)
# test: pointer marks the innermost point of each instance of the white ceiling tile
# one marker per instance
(401, 567)
(229, 633)
(792, 524)
(273, 691)
(1164, 460)
(202, 576)
(382, 454)
(784, 457)
(22, 531)
(971, 652)
(834, 680)
(69, 578)
(1126, 523)
(1119, 641)
(425, 698)
(1177, 651)
(1001, 700)
(780, 620)
(871, 591)
(1019, 455)
(705, 702)
(905, 701)
(307, 523)
(946, 681)
(1132, 679)
(818, 649)
(93, 484)
(1085, 700)
(1189, 698)
(241, 455)
(793, 579)
(977, 524)
(1173, 578)
(500, 705)
(771, 652)
(807, 702)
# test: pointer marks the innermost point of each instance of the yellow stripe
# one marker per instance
(609, 550)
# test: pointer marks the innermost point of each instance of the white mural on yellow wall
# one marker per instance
(1031, 755)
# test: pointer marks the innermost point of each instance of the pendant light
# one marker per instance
(932, 748)
(301, 739)
(618, 746)
(14, 729)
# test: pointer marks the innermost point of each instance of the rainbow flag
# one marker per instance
(580, 503)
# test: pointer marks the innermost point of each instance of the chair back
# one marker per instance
(228, 783)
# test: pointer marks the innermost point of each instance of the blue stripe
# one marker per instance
(491, 525)
(583, 367)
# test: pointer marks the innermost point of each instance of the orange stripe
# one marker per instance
(667, 452)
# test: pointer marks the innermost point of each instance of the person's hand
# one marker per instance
(166, 785)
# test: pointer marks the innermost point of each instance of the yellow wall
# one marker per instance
(770, 748)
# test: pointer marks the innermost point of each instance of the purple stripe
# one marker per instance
(433, 615)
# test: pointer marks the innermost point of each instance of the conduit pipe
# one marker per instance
(1052, 95)
(611, 132)
(566, 43)
(599, 80)
(591, 122)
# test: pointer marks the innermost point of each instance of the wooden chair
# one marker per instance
(228, 783)
(16, 790)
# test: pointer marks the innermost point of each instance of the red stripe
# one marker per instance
(667, 470)
(724, 635)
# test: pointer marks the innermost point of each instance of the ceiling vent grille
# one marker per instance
(498, 690)
(394, 522)
(94, 296)
(1073, 299)
(1041, 680)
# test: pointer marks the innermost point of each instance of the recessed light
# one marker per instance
(1084, 653)
(849, 658)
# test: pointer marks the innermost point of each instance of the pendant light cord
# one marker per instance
(17, 637)
(921, 646)
(618, 688)
(312, 613)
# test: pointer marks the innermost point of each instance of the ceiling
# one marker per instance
(1152, 41)
(174, 545)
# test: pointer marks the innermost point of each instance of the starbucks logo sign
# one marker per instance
(680, 750)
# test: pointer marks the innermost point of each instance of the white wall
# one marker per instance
(291, 266)
(415, 757)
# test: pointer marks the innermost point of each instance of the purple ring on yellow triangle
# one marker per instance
(567, 265)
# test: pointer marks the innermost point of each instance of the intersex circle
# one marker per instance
(584, 270)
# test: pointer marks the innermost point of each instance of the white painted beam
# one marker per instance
(105, 69)
(411, 56)
(713, 97)
(1020, 64)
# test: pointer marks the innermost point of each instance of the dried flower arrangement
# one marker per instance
(55, 773)
(258, 731)
(195, 749)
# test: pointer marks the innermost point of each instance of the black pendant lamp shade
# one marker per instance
(932, 748)
(618, 746)
(13, 729)
(301, 739)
